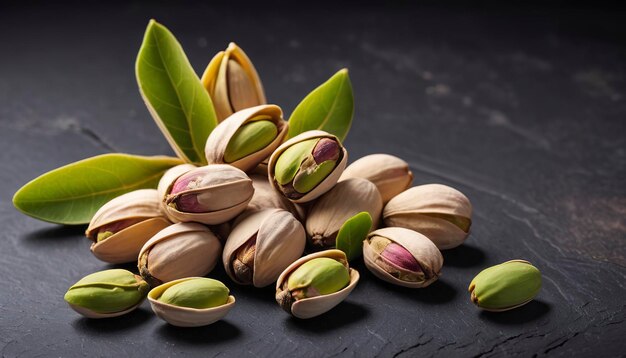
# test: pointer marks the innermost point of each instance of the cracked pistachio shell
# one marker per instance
(220, 191)
(425, 253)
(390, 174)
(261, 245)
(227, 136)
(181, 316)
(108, 293)
(123, 225)
(505, 286)
(328, 213)
(265, 197)
(441, 213)
(317, 305)
(232, 82)
(327, 183)
(180, 250)
(166, 181)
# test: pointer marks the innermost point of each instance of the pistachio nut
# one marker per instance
(108, 293)
(180, 250)
(315, 283)
(265, 197)
(123, 225)
(191, 301)
(505, 286)
(211, 194)
(307, 165)
(390, 174)
(232, 82)
(328, 213)
(166, 181)
(402, 257)
(247, 137)
(261, 245)
(441, 213)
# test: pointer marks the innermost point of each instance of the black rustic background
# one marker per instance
(521, 108)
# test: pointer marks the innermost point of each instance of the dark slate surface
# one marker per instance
(521, 109)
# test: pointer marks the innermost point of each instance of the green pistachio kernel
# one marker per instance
(197, 293)
(320, 276)
(289, 162)
(250, 138)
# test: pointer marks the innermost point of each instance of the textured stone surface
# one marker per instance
(522, 110)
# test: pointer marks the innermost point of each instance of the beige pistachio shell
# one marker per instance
(327, 183)
(390, 174)
(220, 137)
(348, 198)
(185, 316)
(424, 251)
(280, 240)
(441, 213)
(266, 197)
(315, 306)
(166, 181)
(178, 251)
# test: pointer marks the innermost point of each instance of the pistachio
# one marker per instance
(328, 214)
(180, 250)
(165, 183)
(265, 197)
(505, 286)
(261, 245)
(107, 293)
(232, 82)
(390, 174)
(247, 137)
(402, 257)
(307, 165)
(196, 293)
(441, 213)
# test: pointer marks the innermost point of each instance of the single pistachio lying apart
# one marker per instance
(108, 293)
(316, 283)
(505, 286)
(232, 82)
(247, 137)
(180, 250)
(438, 211)
(261, 245)
(265, 197)
(402, 257)
(390, 174)
(308, 165)
(123, 225)
(191, 301)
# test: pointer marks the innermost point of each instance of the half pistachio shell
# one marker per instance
(185, 316)
(266, 197)
(315, 306)
(166, 181)
(278, 239)
(222, 134)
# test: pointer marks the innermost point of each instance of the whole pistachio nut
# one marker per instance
(307, 165)
(107, 293)
(211, 194)
(123, 225)
(247, 137)
(441, 213)
(178, 251)
(390, 174)
(505, 286)
(265, 197)
(315, 283)
(232, 82)
(261, 245)
(346, 199)
(402, 257)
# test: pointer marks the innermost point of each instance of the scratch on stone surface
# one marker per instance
(497, 118)
(560, 344)
(497, 345)
(417, 345)
(532, 228)
(382, 339)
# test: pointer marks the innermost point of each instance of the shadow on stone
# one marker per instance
(220, 331)
(463, 256)
(344, 314)
(531, 311)
(54, 235)
(438, 292)
(113, 325)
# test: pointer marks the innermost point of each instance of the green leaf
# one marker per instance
(352, 233)
(329, 107)
(73, 193)
(175, 97)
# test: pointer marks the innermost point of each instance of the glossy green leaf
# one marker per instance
(352, 233)
(73, 193)
(329, 107)
(175, 97)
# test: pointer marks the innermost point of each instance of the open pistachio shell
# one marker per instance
(315, 306)
(222, 134)
(185, 316)
(441, 213)
(280, 240)
(166, 181)
(266, 197)
(423, 250)
(326, 184)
